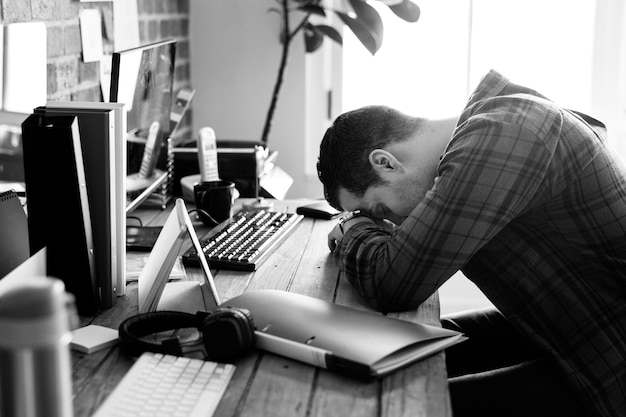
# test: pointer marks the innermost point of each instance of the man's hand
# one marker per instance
(336, 235)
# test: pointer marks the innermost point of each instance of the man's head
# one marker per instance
(345, 152)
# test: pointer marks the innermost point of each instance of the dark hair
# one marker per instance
(344, 151)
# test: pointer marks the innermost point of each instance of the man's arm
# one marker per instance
(486, 179)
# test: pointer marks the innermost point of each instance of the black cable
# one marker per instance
(205, 213)
(135, 218)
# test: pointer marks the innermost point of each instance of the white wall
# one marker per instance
(608, 94)
(235, 53)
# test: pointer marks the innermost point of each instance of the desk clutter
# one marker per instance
(249, 164)
(341, 339)
(301, 358)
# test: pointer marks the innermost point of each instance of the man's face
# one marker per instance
(393, 200)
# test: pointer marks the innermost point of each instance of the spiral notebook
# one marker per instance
(14, 246)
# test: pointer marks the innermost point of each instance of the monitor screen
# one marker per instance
(143, 79)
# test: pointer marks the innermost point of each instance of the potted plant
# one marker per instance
(359, 16)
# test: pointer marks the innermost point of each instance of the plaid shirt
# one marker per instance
(531, 205)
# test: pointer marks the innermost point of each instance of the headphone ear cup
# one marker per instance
(228, 332)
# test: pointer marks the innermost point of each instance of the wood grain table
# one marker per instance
(270, 385)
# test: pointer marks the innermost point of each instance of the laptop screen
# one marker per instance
(156, 272)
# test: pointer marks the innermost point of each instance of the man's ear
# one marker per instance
(383, 160)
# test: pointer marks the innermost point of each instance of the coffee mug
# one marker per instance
(215, 198)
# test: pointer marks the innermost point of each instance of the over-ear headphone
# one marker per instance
(227, 332)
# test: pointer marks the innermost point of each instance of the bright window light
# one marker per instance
(429, 68)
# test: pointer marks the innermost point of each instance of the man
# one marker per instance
(526, 199)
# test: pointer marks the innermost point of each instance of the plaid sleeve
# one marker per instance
(493, 168)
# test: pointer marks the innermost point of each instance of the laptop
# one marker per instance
(360, 344)
(154, 290)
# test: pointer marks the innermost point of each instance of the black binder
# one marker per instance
(14, 247)
(58, 207)
(97, 133)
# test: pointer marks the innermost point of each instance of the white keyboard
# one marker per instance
(166, 385)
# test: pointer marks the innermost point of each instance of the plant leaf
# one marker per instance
(369, 16)
(312, 38)
(330, 32)
(405, 10)
(313, 9)
(367, 25)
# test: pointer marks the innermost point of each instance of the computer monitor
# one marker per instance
(143, 79)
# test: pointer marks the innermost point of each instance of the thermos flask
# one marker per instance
(35, 333)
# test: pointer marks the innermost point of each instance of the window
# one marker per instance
(573, 51)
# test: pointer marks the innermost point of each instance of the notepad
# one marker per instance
(92, 338)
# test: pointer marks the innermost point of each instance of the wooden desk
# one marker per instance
(269, 385)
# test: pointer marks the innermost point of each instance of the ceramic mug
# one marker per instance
(216, 198)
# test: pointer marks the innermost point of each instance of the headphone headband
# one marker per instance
(226, 332)
(134, 328)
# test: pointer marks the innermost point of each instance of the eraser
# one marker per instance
(92, 338)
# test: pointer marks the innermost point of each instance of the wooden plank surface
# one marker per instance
(270, 385)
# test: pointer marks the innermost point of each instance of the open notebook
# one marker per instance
(341, 339)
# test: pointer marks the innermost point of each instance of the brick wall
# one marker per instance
(69, 78)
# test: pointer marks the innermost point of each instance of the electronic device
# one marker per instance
(148, 161)
(207, 155)
(207, 162)
(152, 282)
(148, 386)
(180, 107)
(226, 332)
(246, 241)
(147, 174)
(238, 161)
(143, 78)
(319, 210)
